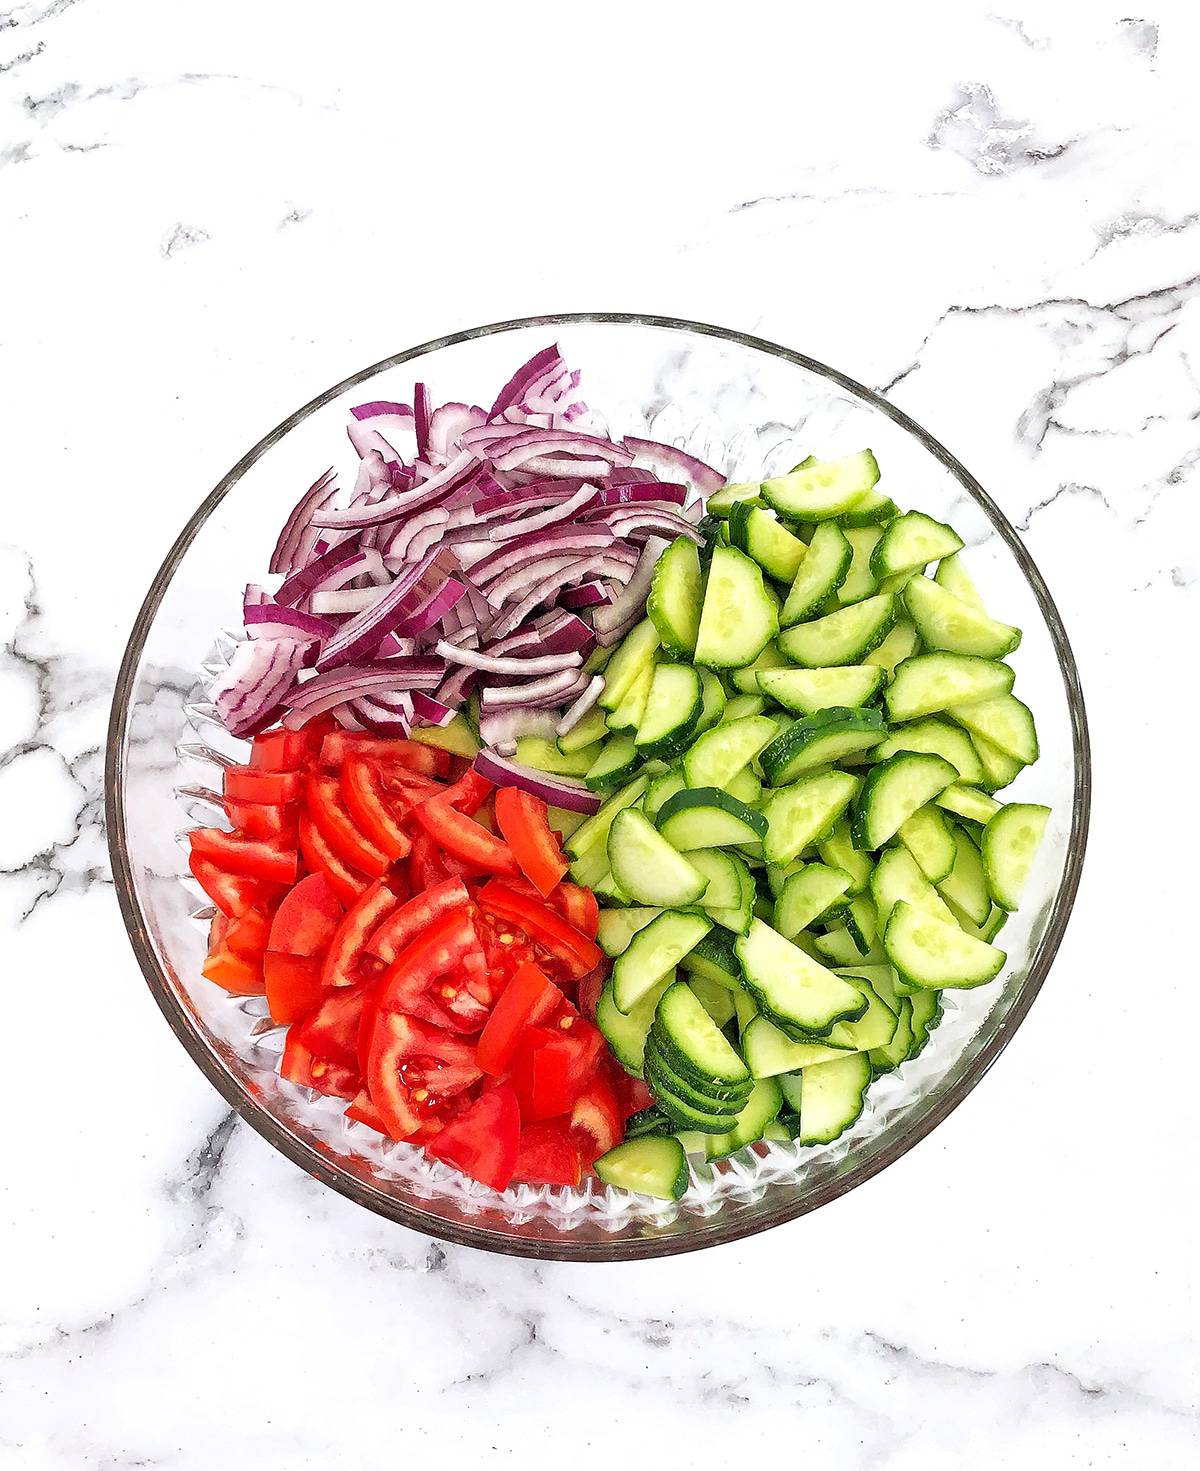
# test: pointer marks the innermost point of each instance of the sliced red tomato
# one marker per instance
(528, 998)
(347, 884)
(632, 1093)
(260, 820)
(231, 893)
(552, 1067)
(469, 792)
(596, 1122)
(547, 1155)
(483, 1141)
(299, 1065)
(252, 858)
(290, 750)
(307, 917)
(331, 1031)
(412, 1068)
(580, 909)
(463, 1012)
(344, 960)
(587, 993)
(425, 865)
(323, 797)
(435, 953)
(248, 784)
(522, 820)
(363, 1111)
(407, 788)
(246, 934)
(363, 794)
(232, 972)
(415, 755)
(293, 985)
(404, 924)
(576, 951)
(458, 835)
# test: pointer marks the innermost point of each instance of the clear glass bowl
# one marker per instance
(750, 407)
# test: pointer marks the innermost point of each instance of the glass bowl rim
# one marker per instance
(713, 1233)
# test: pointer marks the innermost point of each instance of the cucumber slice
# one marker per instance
(712, 701)
(672, 709)
(619, 758)
(762, 1108)
(894, 790)
(594, 832)
(1005, 721)
(738, 619)
(706, 817)
(652, 1166)
(590, 867)
(675, 596)
(805, 812)
(874, 508)
(757, 532)
(606, 887)
(927, 837)
(999, 769)
(927, 683)
(809, 691)
(1010, 844)
(715, 959)
(965, 884)
(599, 659)
(745, 786)
(843, 637)
(819, 740)
(719, 754)
(647, 868)
(938, 738)
(838, 948)
(897, 877)
(545, 755)
(860, 581)
(838, 851)
(647, 1122)
(632, 658)
(717, 1000)
(730, 894)
(458, 738)
(791, 988)
(616, 927)
(861, 922)
(968, 802)
(953, 577)
(930, 954)
(887, 1058)
(626, 1033)
(690, 1032)
(901, 643)
(808, 895)
(586, 732)
(832, 1095)
(660, 788)
(671, 1073)
(628, 715)
(875, 1028)
(926, 1014)
(911, 542)
(946, 622)
(820, 574)
(722, 501)
(770, 1052)
(563, 822)
(676, 1100)
(742, 707)
(653, 954)
(819, 489)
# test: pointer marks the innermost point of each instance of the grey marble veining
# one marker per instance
(209, 213)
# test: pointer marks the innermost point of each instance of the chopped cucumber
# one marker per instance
(717, 1000)
(719, 754)
(653, 954)
(706, 817)
(926, 835)
(675, 595)
(757, 532)
(626, 1033)
(946, 622)
(586, 732)
(1010, 844)
(616, 927)
(930, 954)
(901, 643)
(715, 959)
(672, 709)
(660, 788)
(968, 802)
(820, 489)
(819, 740)
(634, 655)
(791, 989)
(646, 866)
(1005, 721)
(955, 579)
(897, 877)
(805, 812)
(738, 618)
(911, 542)
(809, 691)
(842, 637)
(595, 830)
(761, 1108)
(628, 715)
(860, 581)
(807, 896)
(712, 701)
(938, 738)
(545, 755)
(927, 683)
(649, 1166)
(838, 851)
(894, 789)
(618, 759)
(690, 1034)
(458, 738)
(832, 1097)
(820, 574)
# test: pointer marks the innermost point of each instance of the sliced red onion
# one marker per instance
(632, 599)
(345, 600)
(433, 610)
(450, 422)
(337, 686)
(421, 418)
(549, 687)
(576, 712)
(269, 620)
(654, 492)
(457, 686)
(531, 573)
(519, 450)
(395, 551)
(555, 791)
(382, 408)
(702, 476)
(287, 554)
(362, 635)
(260, 674)
(525, 497)
(504, 727)
(301, 583)
(586, 595)
(563, 511)
(395, 647)
(558, 632)
(347, 719)
(557, 698)
(380, 425)
(528, 373)
(553, 541)
(380, 718)
(394, 506)
(254, 596)
(368, 440)
(637, 519)
(429, 711)
(493, 664)
(629, 475)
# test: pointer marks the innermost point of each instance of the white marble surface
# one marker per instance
(208, 213)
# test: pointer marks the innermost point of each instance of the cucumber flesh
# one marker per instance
(647, 868)
(1010, 845)
(819, 575)
(809, 691)
(738, 619)
(651, 1166)
(931, 954)
(843, 637)
(675, 593)
(805, 812)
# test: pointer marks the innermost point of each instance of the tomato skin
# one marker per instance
(469, 792)
(300, 1066)
(331, 1031)
(261, 820)
(483, 1141)
(246, 934)
(439, 949)
(320, 857)
(252, 858)
(248, 784)
(349, 944)
(283, 750)
(580, 909)
(632, 1093)
(459, 836)
(232, 972)
(547, 1155)
(363, 794)
(527, 994)
(404, 924)
(293, 985)
(426, 864)
(363, 1111)
(323, 798)
(413, 755)
(587, 994)
(307, 917)
(596, 1123)
(553, 1066)
(522, 820)
(396, 1076)
(231, 893)
(577, 952)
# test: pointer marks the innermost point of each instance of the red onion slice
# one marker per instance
(555, 791)
(704, 477)
(286, 556)
(576, 712)
(550, 686)
(493, 664)
(260, 674)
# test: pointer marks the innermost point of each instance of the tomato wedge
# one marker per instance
(248, 784)
(547, 1155)
(469, 792)
(363, 1111)
(483, 1141)
(552, 1067)
(632, 1093)
(425, 865)
(415, 755)
(576, 951)
(404, 924)
(522, 820)
(252, 858)
(458, 835)
(290, 750)
(348, 948)
(528, 998)
(331, 1031)
(233, 972)
(580, 909)
(441, 948)
(261, 820)
(320, 857)
(307, 917)
(363, 794)
(299, 1065)
(323, 797)
(293, 985)
(596, 1123)
(246, 934)
(412, 1068)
